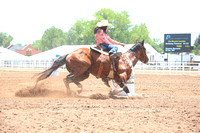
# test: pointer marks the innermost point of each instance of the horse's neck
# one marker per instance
(132, 58)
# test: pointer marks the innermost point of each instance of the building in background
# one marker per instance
(24, 50)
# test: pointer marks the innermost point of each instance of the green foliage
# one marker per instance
(106, 14)
(81, 33)
(156, 47)
(5, 39)
(18, 44)
(140, 33)
(196, 49)
(122, 29)
(52, 38)
(161, 46)
(37, 45)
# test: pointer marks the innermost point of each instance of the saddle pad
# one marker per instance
(98, 50)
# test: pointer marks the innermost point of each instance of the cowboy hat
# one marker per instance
(103, 23)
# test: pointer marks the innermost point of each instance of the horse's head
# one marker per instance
(139, 51)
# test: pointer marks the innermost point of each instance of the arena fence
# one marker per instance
(168, 68)
(164, 68)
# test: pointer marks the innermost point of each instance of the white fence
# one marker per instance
(168, 68)
(164, 68)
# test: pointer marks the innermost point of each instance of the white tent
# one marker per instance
(6, 54)
(65, 49)
(53, 53)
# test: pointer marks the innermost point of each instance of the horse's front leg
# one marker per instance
(123, 88)
(122, 79)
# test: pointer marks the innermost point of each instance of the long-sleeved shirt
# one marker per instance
(102, 37)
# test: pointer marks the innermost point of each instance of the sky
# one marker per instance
(27, 20)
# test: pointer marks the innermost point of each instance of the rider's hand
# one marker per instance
(122, 44)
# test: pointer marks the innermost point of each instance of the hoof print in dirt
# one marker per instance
(98, 96)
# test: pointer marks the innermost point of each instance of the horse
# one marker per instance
(83, 61)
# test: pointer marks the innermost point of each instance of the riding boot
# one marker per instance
(113, 63)
(115, 55)
(112, 60)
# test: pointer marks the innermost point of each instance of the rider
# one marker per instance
(104, 41)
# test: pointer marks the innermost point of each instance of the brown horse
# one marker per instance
(83, 61)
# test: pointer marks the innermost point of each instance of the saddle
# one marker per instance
(98, 50)
(113, 59)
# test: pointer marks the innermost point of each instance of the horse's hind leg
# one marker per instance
(106, 81)
(66, 82)
(80, 87)
(79, 78)
(71, 78)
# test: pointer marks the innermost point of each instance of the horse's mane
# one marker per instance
(135, 47)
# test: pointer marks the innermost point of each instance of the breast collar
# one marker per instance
(127, 60)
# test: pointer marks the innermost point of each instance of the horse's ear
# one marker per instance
(142, 43)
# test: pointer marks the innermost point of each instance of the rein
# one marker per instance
(135, 49)
(126, 59)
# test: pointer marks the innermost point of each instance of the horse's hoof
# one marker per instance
(129, 95)
(107, 84)
(111, 94)
(79, 90)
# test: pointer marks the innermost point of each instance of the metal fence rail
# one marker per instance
(164, 68)
(168, 68)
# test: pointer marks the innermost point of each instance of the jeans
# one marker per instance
(109, 48)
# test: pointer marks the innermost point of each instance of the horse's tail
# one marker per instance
(57, 63)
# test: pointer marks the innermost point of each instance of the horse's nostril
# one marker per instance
(147, 59)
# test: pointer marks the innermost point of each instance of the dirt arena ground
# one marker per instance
(168, 104)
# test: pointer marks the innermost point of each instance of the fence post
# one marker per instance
(183, 68)
(199, 68)
(12, 64)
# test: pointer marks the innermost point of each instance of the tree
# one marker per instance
(197, 45)
(82, 31)
(18, 44)
(5, 39)
(52, 38)
(120, 31)
(37, 45)
(161, 45)
(140, 33)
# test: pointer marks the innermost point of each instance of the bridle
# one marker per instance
(135, 49)
(143, 52)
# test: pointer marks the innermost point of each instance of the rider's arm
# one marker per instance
(115, 42)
